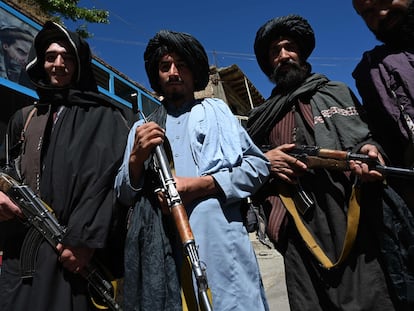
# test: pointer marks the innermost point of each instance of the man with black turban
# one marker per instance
(67, 148)
(216, 166)
(314, 219)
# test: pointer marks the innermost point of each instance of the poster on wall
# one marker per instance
(16, 38)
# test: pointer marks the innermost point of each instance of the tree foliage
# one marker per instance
(70, 10)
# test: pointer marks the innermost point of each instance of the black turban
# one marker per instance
(185, 45)
(292, 26)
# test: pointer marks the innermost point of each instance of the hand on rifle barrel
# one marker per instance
(364, 170)
(147, 137)
(283, 165)
(190, 189)
(193, 188)
(74, 259)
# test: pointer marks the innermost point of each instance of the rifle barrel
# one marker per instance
(182, 223)
(395, 171)
(316, 157)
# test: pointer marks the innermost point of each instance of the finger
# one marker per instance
(6, 214)
(59, 248)
(286, 178)
(381, 159)
(165, 210)
(297, 164)
(285, 147)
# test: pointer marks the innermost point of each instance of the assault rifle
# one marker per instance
(44, 225)
(179, 214)
(316, 157)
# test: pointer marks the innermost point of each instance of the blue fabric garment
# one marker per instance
(206, 138)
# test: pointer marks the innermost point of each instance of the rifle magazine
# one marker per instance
(28, 252)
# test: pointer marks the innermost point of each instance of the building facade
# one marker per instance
(19, 20)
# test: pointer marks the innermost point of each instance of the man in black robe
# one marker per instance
(330, 254)
(69, 155)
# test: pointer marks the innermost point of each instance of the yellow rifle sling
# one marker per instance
(350, 235)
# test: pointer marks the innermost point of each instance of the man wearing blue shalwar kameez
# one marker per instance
(218, 165)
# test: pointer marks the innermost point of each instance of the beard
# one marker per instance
(174, 96)
(401, 35)
(289, 74)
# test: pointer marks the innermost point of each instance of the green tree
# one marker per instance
(70, 10)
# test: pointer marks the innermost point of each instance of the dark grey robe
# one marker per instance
(358, 283)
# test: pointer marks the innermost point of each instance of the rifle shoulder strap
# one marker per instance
(31, 147)
(350, 235)
(29, 117)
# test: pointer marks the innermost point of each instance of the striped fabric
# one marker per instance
(284, 132)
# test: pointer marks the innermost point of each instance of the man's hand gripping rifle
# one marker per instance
(45, 226)
(179, 214)
(316, 157)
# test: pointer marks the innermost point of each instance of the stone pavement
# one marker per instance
(273, 275)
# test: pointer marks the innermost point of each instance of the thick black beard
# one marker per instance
(287, 80)
(401, 36)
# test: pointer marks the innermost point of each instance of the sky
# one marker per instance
(227, 30)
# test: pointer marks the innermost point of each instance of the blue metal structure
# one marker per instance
(109, 82)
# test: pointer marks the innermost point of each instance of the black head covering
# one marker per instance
(185, 45)
(292, 26)
(53, 32)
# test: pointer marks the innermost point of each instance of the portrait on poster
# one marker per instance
(16, 38)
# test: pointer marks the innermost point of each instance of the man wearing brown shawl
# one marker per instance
(308, 109)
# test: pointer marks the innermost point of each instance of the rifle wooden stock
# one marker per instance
(173, 197)
(333, 154)
(315, 157)
(179, 214)
(183, 225)
(330, 164)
